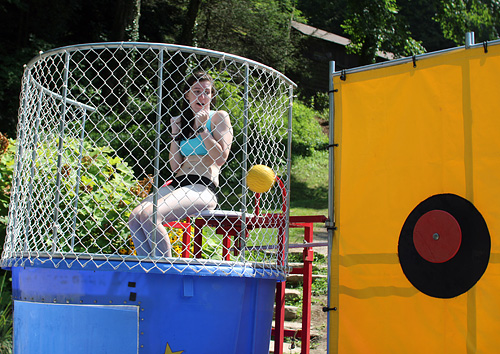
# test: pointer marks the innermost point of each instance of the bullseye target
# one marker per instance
(444, 246)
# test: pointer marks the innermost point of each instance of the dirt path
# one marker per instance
(319, 323)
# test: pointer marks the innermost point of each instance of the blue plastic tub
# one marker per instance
(95, 310)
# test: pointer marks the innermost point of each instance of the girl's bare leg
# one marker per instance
(172, 206)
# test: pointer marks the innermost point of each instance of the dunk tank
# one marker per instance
(92, 142)
(416, 249)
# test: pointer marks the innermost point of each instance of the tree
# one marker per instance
(26, 27)
(30, 26)
(420, 16)
(456, 17)
(187, 35)
(258, 30)
(126, 22)
(255, 29)
(325, 14)
(374, 25)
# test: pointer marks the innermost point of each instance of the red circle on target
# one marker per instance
(437, 236)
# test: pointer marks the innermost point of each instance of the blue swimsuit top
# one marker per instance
(196, 146)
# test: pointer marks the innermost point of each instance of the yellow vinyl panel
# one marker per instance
(485, 134)
(406, 134)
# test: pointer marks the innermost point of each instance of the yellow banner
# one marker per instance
(405, 134)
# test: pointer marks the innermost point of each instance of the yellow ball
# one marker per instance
(260, 178)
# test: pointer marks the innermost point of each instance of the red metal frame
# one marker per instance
(307, 222)
(232, 226)
(186, 234)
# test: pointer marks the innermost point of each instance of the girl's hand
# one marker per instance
(201, 118)
(175, 124)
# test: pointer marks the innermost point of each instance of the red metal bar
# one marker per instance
(279, 318)
(232, 226)
(308, 257)
(198, 237)
(186, 239)
(306, 219)
(186, 234)
(298, 270)
(226, 247)
(289, 333)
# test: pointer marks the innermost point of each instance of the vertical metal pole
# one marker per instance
(331, 176)
(157, 151)
(469, 40)
(32, 170)
(16, 183)
(78, 179)
(288, 172)
(245, 164)
(60, 151)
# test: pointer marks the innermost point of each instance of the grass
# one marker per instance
(309, 182)
(309, 188)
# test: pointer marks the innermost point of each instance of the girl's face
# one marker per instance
(200, 96)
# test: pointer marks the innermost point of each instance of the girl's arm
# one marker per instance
(175, 157)
(218, 143)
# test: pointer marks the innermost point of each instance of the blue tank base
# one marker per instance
(90, 310)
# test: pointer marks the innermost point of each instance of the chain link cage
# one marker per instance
(92, 143)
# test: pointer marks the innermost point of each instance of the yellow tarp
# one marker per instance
(406, 133)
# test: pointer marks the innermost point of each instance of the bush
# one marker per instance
(307, 134)
(107, 192)
(106, 189)
(6, 329)
(7, 153)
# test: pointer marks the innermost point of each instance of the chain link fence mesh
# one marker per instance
(93, 137)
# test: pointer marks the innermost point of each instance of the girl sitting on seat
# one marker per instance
(201, 141)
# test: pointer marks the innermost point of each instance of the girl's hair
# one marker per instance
(187, 121)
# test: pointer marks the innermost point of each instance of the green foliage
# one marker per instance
(7, 154)
(161, 21)
(325, 14)
(309, 188)
(456, 17)
(373, 26)
(10, 76)
(419, 14)
(255, 29)
(319, 287)
(105, 189)
(212, 247)
(258, 30)
(6, 330)
(105, 193)
(307, 135)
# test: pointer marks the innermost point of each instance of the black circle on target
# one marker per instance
(437, 276)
